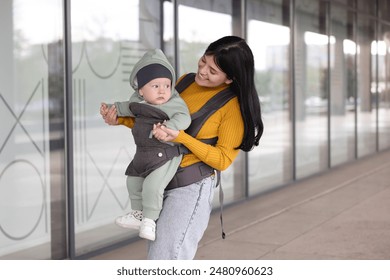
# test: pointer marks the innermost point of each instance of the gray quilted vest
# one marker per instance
(150, 153)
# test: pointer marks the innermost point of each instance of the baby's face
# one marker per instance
(157, 91)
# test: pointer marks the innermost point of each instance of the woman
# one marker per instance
(226, 63)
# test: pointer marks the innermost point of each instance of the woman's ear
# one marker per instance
(228, 81)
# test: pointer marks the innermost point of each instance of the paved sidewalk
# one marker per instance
(340, 214)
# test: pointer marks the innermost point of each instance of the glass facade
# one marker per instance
(271, 165)
(383, 85)
(311, 87)
(32, 117)
(342, 90)
(366, 86)
(106, 43)
(322, 74)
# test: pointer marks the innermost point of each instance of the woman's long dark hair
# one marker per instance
(233, 55)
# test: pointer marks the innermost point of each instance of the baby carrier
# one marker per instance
(196, 172)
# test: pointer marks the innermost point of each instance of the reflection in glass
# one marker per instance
(193, 38)
(311, 89)
(342, 87)
(168, 32)
(106, 43)
(366, 87)
(384, 10)
(270, 165)
(368, 7)
(29, 178)
(384, 87)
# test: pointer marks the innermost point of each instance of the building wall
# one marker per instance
(322, 74)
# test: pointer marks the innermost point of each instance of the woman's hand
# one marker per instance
(109, 114)
(162, 133)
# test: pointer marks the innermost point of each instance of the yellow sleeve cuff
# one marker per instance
(126, 121)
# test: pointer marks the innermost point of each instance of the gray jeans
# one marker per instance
(183, 220)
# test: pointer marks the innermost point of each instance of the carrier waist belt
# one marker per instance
(191, 174)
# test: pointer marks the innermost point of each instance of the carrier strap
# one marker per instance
(183, 150)
(221, 197)
(212, 105)
(185, 82)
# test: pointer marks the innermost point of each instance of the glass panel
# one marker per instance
(106, 43)
(348, 3)
(311, 98)
(384, 10)
(193, 41)
(169, 30)
(367, 6)
(342, 86)
(31, 167)
(366, 87)
(384, 87)
(271, 164)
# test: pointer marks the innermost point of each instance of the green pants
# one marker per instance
(146, 194)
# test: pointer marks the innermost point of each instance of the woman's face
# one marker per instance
(209, 74)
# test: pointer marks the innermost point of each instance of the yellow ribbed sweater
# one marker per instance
(226, 124)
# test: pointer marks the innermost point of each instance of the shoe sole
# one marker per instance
(146, 236)
(127, 226)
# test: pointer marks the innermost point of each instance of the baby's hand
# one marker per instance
(103, 109)
(158, 133)
(163, 133)
(109, 114)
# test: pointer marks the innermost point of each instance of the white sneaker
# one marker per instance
(131, 220)
(148, 229)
